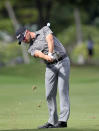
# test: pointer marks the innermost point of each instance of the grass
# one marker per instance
(25, 108)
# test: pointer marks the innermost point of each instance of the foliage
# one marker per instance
(68, 36)
(25, 12)
(6, 25)
(81, 49)
(9, 51)
(27, 15)
(91, 31)
(61, 17)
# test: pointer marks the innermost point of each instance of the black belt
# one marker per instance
(55, 61)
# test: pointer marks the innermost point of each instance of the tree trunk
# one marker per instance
(43, 16)
(16, 26)
(48, 10)
(39, 5)
(78, 34)
(78, 25)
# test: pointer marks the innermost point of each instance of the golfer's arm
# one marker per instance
(50, 41)
(40, 54)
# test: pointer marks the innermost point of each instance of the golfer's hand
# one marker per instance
(48, 58)
(43, 56)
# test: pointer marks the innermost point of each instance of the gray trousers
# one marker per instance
(57, 75)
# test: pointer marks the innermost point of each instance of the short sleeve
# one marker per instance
(47, 30)
(31, 51)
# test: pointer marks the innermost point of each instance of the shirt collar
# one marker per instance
(37, 33)
(32, 41)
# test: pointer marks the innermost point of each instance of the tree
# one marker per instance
(44, 8)
(16, 26)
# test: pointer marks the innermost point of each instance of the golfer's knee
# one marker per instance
(48, 97)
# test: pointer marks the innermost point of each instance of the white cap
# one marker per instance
(48, 24)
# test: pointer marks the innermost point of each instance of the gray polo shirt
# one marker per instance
(41, 44)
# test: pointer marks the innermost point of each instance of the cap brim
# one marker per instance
(20, 39)
(19, 42)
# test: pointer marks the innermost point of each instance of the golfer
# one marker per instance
(45, 45)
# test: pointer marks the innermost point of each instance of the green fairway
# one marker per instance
(24, 107)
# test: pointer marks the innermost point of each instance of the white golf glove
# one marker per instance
(50, 54)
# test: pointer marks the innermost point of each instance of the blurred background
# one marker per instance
(76, 24)
(73, 22)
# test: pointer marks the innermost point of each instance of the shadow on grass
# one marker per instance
(61, 129)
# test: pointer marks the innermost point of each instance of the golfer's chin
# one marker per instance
(26, 42)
